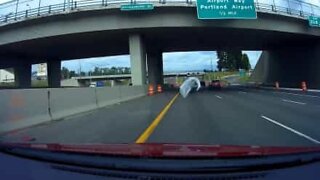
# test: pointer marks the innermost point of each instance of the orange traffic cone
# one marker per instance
(304, 86)
(150, 90)
(159, 88)
(277, 85)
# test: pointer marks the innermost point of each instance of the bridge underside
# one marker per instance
(288, 58)
(289, 66)
(291, 48)
(108, 43)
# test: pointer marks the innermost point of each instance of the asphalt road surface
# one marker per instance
(232, 116)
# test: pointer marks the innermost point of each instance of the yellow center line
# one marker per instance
(145, 135)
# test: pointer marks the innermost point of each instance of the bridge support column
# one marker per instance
(155, 67)
(261, 70)
(22, 76)
(289, 66)
(137, 59)
(314, 67)
(54, 74)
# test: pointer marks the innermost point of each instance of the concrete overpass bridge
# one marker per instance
(98, 28)
(85, 80)
(128, 76)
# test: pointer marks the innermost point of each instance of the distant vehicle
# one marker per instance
(96, 84)
(99, 84)
(215, 84)
(93, 84)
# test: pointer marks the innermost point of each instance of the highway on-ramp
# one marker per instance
(231, 116)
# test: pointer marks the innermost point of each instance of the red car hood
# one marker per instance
(167, 150)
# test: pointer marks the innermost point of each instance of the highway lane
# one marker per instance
(300, 112)
(233, 116)
(120, 123)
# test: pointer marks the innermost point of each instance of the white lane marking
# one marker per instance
(299, 89)
(303, 95)
(295, 102)
(219, 97)
(242, 92)
(292, 130)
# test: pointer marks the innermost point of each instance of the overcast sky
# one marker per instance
(177, 61)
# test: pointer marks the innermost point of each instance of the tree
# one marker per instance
(106, 71)
(65, 74)
(113, 70)
(230, 60)
(222, 59)
(237, 59)
(127, 70)
(72, 74)
(245, 62)
(82, 73)
(97, 71)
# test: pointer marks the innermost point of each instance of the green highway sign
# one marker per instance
(136, 7)
(226, 9)
(314, 21)
(242, 73)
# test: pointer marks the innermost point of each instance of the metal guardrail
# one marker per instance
(102, 4)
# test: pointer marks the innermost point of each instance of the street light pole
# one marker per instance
(17, 4)
(28, 7)
(79, 69)
(68, 5)
(274, 6)
(39, 7)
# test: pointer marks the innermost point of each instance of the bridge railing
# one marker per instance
(304, 11)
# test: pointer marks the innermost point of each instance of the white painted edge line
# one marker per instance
(219, 97)
(292, 130)
(292, 89)
(297, 89)
(295, 102)
(303, 95)
(313, 90)
(242, 92)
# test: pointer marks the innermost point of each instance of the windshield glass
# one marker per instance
(191, 72)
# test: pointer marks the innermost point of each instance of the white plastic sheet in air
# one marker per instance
(188, 85)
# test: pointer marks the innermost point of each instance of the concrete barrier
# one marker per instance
(69, 101)
(108, 95)
(27, 107)
(132, 92)
(22, 108)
